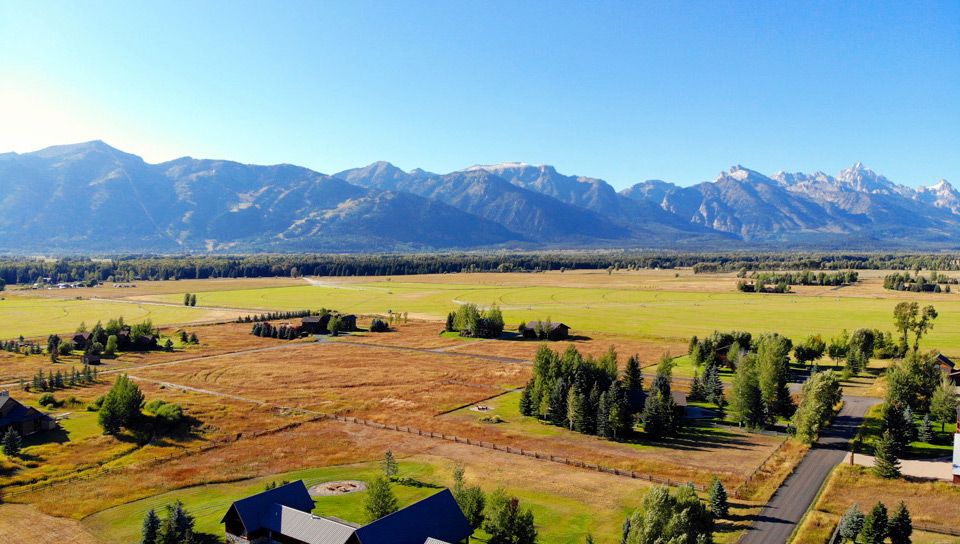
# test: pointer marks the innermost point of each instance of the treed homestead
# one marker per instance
(25, 270)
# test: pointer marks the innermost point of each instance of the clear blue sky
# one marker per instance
(625, 91)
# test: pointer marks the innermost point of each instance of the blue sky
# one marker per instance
(625, 91)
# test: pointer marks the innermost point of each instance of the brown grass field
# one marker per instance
(24, 523)
(928, 501)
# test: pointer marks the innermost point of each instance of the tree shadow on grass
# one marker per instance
(413, 482)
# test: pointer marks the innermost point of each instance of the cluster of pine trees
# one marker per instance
(283, 332)
(580, 393)
(60, 380)
(280, 315)
(918, 283)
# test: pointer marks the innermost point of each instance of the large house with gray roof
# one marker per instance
(283, 515)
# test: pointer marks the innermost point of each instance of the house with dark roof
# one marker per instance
(283, 515)
(948, 368)
(553, 331)
(23, 419)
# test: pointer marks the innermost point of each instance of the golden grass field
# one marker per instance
(648, 313)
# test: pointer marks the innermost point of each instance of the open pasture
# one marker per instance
(35, 316)
(413, 388)
(630, 305)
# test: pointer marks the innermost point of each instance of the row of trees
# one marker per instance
(580, 393)
(876, 527)
(806, 277)
(470, 320)
(60, 380)
(24, 270)
(918, 283)
(280, 315)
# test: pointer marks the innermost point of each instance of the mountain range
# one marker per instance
(91, 198)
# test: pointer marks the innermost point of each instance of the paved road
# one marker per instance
(780, 516)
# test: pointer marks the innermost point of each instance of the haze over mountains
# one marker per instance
(92, 198)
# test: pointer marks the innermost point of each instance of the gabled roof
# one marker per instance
(553, 325)
(14, 412)
(437, 517)
(251, 509)
(943, 360)
(304, 526)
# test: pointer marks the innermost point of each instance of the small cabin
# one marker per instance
(553, 331)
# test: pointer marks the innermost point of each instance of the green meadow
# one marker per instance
(31, 316)
(635, 312)
(560, 519)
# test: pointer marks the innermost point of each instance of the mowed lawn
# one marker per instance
(40, 316)
(623, 310)
(561, 517)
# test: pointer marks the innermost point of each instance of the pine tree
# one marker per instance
(900, 526)
(12, 443)
(875, 525)
(380, 499)
(851, 524)
(698, 393)
(886, 460)
(526, 404)
(150, 531)
(633, 377)
(718, 499)
(926, 430)
(389, 465)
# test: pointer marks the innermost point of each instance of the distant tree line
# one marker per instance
(918, 283)
(26, 270)
(780, 282)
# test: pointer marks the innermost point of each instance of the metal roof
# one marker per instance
(251, 509)
(305, 526)
(437, 517)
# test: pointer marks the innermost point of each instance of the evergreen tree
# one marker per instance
(12, 443)
(389, 465)
(926, 430)
(851, 524)
(150, 531)
(886, 457)
(380, 499)
(603, 416)
(526, 405)
(558, 404)
(633, 378)
(177, 528)
(698, 393)
(875, 525)
(900, 526)
(718, 499)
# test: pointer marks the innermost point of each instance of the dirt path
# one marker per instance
(786, 508)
